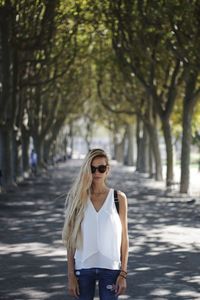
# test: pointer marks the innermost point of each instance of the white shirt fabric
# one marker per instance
(101, 237)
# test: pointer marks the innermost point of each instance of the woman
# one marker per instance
(95, 233)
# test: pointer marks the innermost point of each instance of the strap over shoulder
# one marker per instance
(116, 200)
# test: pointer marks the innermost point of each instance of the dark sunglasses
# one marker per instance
(101, 169)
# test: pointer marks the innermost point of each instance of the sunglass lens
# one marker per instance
(93, 169)
(102, 169)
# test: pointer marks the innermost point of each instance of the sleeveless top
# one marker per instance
(101, 236)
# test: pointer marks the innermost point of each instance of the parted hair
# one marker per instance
(76, 201)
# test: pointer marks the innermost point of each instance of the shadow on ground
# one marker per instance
(164, 239)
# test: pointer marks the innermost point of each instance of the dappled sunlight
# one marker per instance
(192, 279)
(40, 275)
(32, 254)
(31, 293)
(39, 213)
(176, 235)
(160, 292)
(37, 249)
(142, 269)
(188, 294)
(163, 233)
(164, 242)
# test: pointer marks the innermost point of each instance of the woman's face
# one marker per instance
(101, 164)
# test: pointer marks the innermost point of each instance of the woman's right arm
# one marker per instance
(73, 286)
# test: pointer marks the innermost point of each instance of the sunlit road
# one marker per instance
(164, 232)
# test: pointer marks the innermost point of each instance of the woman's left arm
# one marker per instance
(121, 280)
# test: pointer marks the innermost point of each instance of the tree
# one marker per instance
(39, 47)
(184, 42)
(118, 95)
(139, 39)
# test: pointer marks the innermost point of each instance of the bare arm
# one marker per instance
(70, 262)
(72, 280)
(121, 281)
(123, 217)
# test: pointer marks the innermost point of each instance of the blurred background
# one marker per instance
(121, 75)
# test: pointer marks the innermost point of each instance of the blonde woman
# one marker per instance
(95, 233)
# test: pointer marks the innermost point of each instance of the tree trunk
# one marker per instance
(139, 154)
(144, 150)
(39, 148)
(185, 151)
(188, 108)
(120, 152)
(14, 155)
(47, 147)
(156, 152)
(25, 150)
(65, 144)
(151, 162)
(113, 143)
(130, 146)
(120, 149)
(5, 64)
(20, 173)
(138, 142)
(5, 96)
(6, 150)
(71, 136)
(169, 151)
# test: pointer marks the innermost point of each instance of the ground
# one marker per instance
(164, 231)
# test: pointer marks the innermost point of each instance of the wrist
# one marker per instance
(123, 274)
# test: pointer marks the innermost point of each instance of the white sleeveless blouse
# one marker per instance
(101, 237)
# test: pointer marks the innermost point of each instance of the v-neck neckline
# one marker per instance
(102, 204)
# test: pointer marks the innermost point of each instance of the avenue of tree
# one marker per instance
(131, 65)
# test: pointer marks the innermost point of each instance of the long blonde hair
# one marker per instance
(76, 201)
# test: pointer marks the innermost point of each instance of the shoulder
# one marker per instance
(121, 194)
(122, 197)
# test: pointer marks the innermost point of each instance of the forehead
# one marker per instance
(99, 161)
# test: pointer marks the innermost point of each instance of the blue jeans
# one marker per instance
(106, 279)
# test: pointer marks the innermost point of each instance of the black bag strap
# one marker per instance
(116, 200)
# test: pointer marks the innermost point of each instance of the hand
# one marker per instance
(73, 286)
(120, 285)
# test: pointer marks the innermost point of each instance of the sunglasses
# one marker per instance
(101, 169)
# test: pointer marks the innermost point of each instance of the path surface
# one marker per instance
(164, 231)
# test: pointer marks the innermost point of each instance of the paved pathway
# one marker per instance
(164, 261)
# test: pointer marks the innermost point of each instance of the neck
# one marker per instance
(98, 188)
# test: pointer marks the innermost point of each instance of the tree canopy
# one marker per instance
(116, 63)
